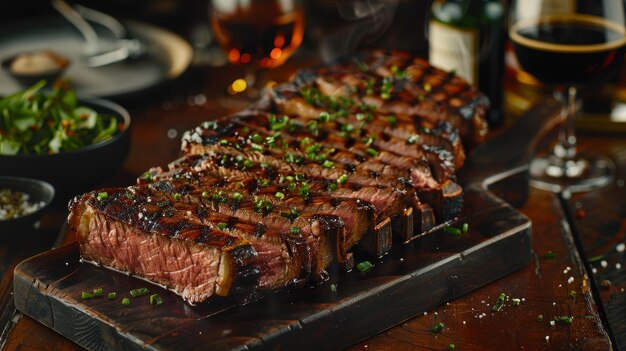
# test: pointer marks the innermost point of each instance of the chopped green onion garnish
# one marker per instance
(139, 292)
(516, 302)
(596, 259)
(438, 327)
(412, 139)
(498, 305)
(304, 190)
(563, 319)
(97, 292)
(112, 295)
(102, 195)
(256, 147)
(451, 347)
(126, 301)
(279, 195)
(364, 266)
(155, 299)
(549, 255)
(324, 116)
(237, 196)
(465, 227)
(452, 230)
(223, 142)
(206, 194)
(129, 195)
(295, 230)
(572, 294)
(328, 164)
(540, 318)
(392, 120)
(342, 179)
(85, 295)
(371, 152)
(248, 163)
(332, 186)
(222, 225)
(177, 196)
(333, 288)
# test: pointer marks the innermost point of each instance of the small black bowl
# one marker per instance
(49, 75)
(76, 171)
(38, 191)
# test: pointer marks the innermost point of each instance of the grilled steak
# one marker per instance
(339, 158)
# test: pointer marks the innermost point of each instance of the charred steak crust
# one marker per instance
(339, 157)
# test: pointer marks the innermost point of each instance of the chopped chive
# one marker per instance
(328, 164)
(112, 295)
(465, 228)
(139, 292)
(97, 292)
(206, 194)
(177, 196)
(237, 196)
(563, 319)
(364, 266)
(248, 163)
(595, 259)
(372, 152)
(223, 142)
(500, 303)
(392, 119)
(452, 230)
(572, 294)
(333, 288)
(102, 195)
(516, 302)
(279, 195)
(295, 230)
(85, 295)
(549, 255)
(126, 301)
(451, 347)
(155, 299)
(437, 328)
(342, 179)
(324, 116)
(129, 195)
(256, 147)
(332, 186)
(413, 139)
(222, 225)
(540, 318)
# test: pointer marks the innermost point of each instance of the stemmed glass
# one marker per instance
(257, 34)
(569, 49)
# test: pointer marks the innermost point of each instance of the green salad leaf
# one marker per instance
(36, 122)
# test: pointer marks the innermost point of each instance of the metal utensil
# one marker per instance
(122, 48)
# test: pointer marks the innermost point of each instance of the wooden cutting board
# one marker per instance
(412, 278)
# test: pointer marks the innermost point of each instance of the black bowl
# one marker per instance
(38, 191)
(75, 171)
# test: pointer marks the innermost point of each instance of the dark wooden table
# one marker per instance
(596, 221)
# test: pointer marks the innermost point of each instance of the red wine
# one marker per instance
(262, 33)
(569, 50)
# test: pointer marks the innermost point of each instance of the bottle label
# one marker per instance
(454, 49)
(535, 8)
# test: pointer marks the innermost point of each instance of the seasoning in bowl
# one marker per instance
(15, 204)
(37, 63)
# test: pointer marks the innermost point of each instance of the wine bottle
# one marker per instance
(467, 36)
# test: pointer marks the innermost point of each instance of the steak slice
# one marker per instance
(194, 261)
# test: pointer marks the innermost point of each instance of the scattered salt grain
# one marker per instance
(67, 264)
(570, 280)
(464, 321)
(554, 304)
(547, 338)
(604, 264)
(618, 265)
(552, 323)
(620, 247)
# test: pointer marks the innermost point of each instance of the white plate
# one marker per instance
(168, 57)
